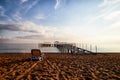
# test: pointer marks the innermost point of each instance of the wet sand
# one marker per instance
(60, 67)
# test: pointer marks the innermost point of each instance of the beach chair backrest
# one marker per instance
(36, 52)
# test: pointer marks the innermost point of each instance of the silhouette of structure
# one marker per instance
(67, 47)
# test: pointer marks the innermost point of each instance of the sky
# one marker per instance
(93, 22)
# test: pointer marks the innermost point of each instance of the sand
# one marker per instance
(60, 67)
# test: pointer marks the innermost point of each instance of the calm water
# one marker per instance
(8, 48)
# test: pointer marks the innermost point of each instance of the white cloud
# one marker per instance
(30, 30)
(57, 5)
(39, 30)
(3, 37)
(109, 11)
(3, 15)
(17, 17)
(24, 1)
(40, 17)
(108, 6)
(112, 16)
(31, 5)
(115, 25)
(2, 12)
(5, 40)
(108, 3)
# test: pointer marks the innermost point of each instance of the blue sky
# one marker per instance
(81, 21)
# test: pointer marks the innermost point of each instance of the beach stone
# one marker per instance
(29, 77)
(56, 76)
(13, 73)
(93, 75)
(75, 78)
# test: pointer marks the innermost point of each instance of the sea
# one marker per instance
(25, 48)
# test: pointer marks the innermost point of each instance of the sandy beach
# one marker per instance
(60, 67)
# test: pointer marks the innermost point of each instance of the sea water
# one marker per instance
(13, 48)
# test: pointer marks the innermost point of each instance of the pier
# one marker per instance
(65, 47)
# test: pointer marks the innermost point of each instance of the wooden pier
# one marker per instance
(67, 48)
(71, 48)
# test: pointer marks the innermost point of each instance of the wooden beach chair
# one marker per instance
(36, 54)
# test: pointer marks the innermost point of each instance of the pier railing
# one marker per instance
(69, 48)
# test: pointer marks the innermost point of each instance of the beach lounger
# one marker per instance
(36, 54)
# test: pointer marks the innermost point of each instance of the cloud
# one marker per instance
(24, 1)
(13, 15)
(3, 37)
(108, 3)
(30, 30)
(57, 5)
(31, 6)
(14, 27)
(3, 16)
(9, 27)
(108, 6)
(112, 16)
(108, 11)
(31, 36)
(2, 10)
(16, 11)
(10, 40)
(115, 25)
(17, 17)
(40, 17)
